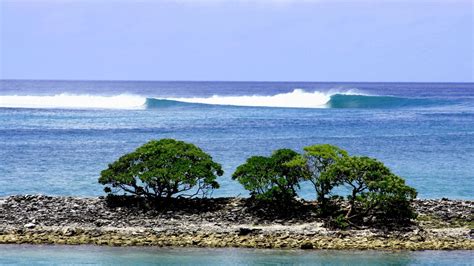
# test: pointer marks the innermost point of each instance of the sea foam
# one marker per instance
(74, 101)
(298, 98)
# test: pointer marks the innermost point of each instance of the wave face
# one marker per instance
(153, 103)
(72, 101)
(296, 99)
(365, 101)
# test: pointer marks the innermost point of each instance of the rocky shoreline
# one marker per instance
(220, 222)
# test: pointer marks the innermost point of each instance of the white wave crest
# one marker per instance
(298, 98)
(73, 101)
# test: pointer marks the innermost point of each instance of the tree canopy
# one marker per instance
(167, 167)
(315, 161)
(163, 168)
(270, 178)
(374, 189)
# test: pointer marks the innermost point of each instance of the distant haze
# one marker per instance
(238, 40)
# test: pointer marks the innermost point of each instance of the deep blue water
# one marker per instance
(56, 136)
(95, 255)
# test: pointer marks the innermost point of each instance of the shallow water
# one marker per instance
(422, 131)
(96, 255)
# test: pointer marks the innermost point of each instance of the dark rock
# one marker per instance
(69, 231)
(307, 245)
(247, 231)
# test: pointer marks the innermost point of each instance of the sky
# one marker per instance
(366, 41)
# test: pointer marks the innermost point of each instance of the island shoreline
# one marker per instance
(221, 222)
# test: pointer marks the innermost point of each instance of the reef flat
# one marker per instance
(222, 222)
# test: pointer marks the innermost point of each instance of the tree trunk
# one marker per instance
(351, 203)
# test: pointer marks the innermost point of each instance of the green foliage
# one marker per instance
(270, 178)
(375, 191)
(315, 161)
(340, 222)
(163, 168)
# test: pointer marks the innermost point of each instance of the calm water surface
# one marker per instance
(95, 255)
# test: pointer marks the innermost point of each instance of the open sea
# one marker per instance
(56, 137)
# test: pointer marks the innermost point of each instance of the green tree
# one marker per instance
(315, 161)
(163, 168)
(373, 189)
(270, 178)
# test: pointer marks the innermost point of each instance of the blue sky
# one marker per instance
(238, 40)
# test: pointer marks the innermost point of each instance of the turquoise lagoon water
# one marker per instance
(56, 136)
(96, 255)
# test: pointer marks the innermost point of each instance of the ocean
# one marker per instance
(97, 255)
(56, 136)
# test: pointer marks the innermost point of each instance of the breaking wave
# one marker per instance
(73, 101)
(296, 99)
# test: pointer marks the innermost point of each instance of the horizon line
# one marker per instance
(235, 81)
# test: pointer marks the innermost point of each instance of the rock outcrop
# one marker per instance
(220, 222)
